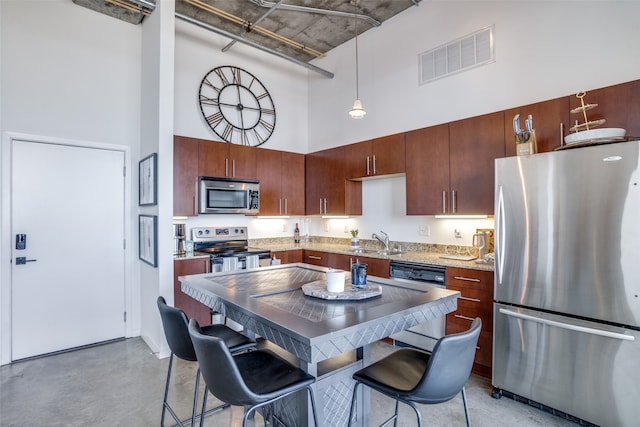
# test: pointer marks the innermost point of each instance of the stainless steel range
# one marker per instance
(229, 248)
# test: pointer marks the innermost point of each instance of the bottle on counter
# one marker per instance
(296, 234)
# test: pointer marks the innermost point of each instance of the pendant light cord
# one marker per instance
(355, 19)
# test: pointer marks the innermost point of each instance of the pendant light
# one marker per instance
(357, 112)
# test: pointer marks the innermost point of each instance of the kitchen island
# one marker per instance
(329, 338)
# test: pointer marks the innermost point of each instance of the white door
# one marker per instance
(69, 202)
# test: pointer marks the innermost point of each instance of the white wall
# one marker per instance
(67, 73)
(198, 51)
(568, 47)
(156, 136)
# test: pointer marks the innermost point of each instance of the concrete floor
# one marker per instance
(122, 383)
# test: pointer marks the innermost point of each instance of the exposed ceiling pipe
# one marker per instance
(253, 44)
(145, 3)
(258, 29)
(306, 9)
(250, 26)
(152, 6)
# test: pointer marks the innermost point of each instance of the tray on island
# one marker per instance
(318, 289)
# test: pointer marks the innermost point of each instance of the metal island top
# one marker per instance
(330, 338)
(270, 302)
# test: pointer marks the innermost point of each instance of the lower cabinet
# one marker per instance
(288, 257)
(476, 287)
(192, 308)
(375, 266)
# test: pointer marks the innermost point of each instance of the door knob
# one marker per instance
(23, 260)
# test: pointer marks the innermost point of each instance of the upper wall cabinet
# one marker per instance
(550, 121)
(474, 144)
(427, 168)
(185, 175)
(450, 166)
(618, 104)
(222, 159)
(379, 156)
(282, 182)
(328, 191)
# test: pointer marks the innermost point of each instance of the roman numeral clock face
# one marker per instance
(237, 106)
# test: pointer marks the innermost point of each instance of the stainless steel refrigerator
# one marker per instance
(567, 281)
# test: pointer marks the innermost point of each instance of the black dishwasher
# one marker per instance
(425, 335)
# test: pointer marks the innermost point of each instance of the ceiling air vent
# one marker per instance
(459, 55)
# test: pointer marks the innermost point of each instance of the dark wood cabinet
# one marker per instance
(315, 258)
(547, 117)
(193, 309)
(185, 176)
(427, 165)
(450, 167)
(289, 256)
(476, 287)
(618, 104)
(282, 182)
(328, 192)
(474, 144)
(376, 157)
(378, 267)
(222, 159)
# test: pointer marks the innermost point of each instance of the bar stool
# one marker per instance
(175, 325)
(253, 379)
(414, 376)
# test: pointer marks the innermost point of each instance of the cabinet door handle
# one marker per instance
(467, 279)
(286, 207)
(444, 202)
(368, 169)
(454, 202)
(233, 168)
(470, 299)
(314, 257)
(226, 167)
(280, 206)
(325, 206)
(460, 316)
(374, 165)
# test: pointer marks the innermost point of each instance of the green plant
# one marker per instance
(354, 233)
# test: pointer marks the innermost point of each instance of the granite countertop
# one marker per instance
(426, 254)
(195, 255)
(410, 255)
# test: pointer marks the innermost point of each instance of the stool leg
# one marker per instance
(166, 390)
(195, 400)
(204, 406)
(466, 410)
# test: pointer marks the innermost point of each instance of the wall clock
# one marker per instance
(237, 106)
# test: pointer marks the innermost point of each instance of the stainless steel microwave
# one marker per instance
(228, 195)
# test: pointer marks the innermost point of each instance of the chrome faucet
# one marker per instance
(384, 240)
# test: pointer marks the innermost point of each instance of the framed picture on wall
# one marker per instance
(148, 244)
(147, 180)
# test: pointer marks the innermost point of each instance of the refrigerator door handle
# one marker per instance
(500, 236)
(568, 326)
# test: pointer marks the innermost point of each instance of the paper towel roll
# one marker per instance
(335, 280)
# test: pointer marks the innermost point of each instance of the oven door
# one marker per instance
(240, 262)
